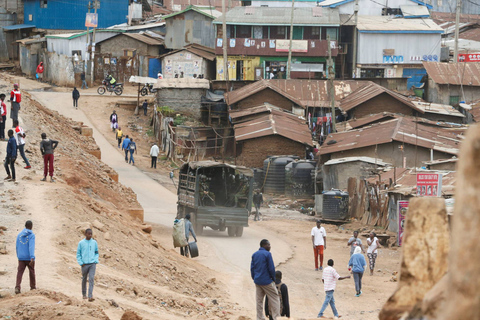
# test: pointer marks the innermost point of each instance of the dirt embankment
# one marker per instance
(135, 272)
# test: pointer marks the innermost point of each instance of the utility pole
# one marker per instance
(92, 71)
(457, 29)
(289, 62)
(331, 76)
(226, 74)
(88, 33)
(354, 64)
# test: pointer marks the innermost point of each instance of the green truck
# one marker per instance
(216, 195)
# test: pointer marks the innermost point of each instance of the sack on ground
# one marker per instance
(179, 239)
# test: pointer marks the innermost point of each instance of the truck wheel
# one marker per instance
(239, 231)
(231, 231)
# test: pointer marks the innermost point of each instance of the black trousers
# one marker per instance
(75, 103)
(2, 127)
(10, 162)
(154, 163)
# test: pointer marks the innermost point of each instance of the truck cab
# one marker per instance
(217, 195)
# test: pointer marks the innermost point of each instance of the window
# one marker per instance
(332, 33)
(43, 4)
(311, 33)
(316, 31)
(277, 32)
(246, 3)
(454, 100)
(244, 32)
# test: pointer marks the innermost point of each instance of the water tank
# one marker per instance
(299, 179)
(335, 205)
(274, 169)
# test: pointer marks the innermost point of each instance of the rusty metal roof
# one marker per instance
(437, 108)
(143, 38)
(401, 129)
(361, 122)
(245, 114)
(467, 74)
(305, 93)
(276, 123)
(370, 91)
(199, 50)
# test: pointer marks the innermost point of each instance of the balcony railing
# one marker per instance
(270, 47)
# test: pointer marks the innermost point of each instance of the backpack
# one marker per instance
(280, 296)
(132, 146)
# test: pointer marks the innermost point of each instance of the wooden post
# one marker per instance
(138, 100)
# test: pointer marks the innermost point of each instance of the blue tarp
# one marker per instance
(18, 27)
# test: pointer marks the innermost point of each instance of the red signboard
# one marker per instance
(429, 184)
(469, 57)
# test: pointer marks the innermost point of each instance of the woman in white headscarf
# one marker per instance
(357, 263)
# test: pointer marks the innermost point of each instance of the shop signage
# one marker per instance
(297, 45)
(474, 57)
(429, 184)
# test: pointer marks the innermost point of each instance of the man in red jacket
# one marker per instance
(40, 70)
(15, 99)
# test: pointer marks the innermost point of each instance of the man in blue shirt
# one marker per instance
(133, 148)
(188, 230)
(262, 270)
(11, 156)
(125, 144)
(26, 255)
(357, 263)
(87, 258)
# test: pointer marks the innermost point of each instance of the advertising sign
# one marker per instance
(471, 57)
(402, 209)
(297, 45)
(429, 184)
(91, 20)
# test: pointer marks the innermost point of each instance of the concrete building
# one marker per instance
(31, 53)
(191, 62)
(258, 42)
(191, 25)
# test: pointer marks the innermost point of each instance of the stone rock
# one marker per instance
(130, 315)
(425, 250)
(98, 225)
(464, 279)
(3, 228)
(107, 236)
(147, 228)
(84, 226)
(3, 248)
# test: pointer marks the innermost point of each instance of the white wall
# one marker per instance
(371, 46)
(65, 46)
(372, 8)
(284, 4)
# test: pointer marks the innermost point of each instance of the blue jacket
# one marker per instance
(87, 252)
(358, 262)
(125, 143)
(12, 148)
(262, 267)
(132, 146)
(26, 245)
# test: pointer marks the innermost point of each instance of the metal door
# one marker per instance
(154, 67)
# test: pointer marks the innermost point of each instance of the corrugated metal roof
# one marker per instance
(276, 123)
(210, 12)
(143, 38)
(371, 160)
(199, 50)
(370, 91)
(281, 16)
(361, 122)
(245, 114)
(70, 36)
(305, 93)
(126, 27)
(412, 11)
(440, 161)
(475, 111)
(386, 23)
(18, 27)
(31, 40)
(401, 129)
(437, 108)
(467, 74)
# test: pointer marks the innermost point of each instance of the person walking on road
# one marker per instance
(154, 151)
(125, 144)
(114, 120)
(257, 202)
(75, 96)
(15, 99)
(329, 279)
(84, 82)
(145, 107)
(357, 263)
(11, 157)
(319, 241)
(188, 230)
(40, 70)
(262, 270)
(20, 138)
(119, 136)
(26, 256)
(354, 242)
(132, 146)
(87, 258)
(47, 147)
(373, 244)
(3, 116)
(282, 295)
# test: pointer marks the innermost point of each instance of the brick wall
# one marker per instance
(253, 152)
(266, 95)
(381, 103)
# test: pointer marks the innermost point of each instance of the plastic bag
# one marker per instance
(36, 75)
(179, 239)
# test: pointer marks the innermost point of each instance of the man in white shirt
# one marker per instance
(20, 137)
(319, 241)
(154, 151)
(329, 279)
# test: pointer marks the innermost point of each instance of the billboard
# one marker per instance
(402, 209)
(470, 57)
(297, 45)
(429, 184)
(91, 20)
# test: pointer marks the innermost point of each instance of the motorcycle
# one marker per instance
(117, 88)
(148, 87)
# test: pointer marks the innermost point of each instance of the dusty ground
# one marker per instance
(140, 271)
